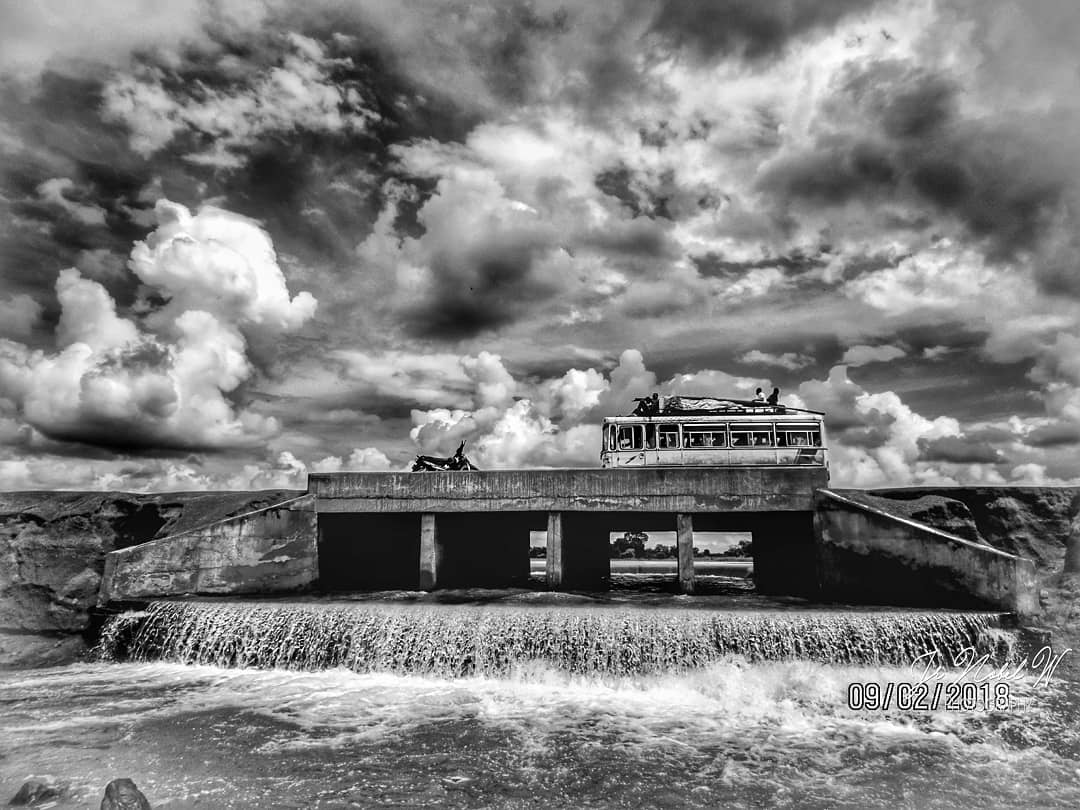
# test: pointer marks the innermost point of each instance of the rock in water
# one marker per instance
(37, 790)
(121, 794)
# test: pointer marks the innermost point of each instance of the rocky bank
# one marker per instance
(52, 553)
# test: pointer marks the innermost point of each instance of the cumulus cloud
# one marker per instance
(556, 422)
(875, 438)
(788, 360)
(361, 458)
(162, 381)
(218, 262)
(861, 355)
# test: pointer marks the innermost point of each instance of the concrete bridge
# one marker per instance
(373, 531)
(473, 528)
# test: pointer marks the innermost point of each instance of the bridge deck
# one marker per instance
(658, 489)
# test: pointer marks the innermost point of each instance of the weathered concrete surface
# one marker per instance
(431, 552)
(1032, 522)
(553, 565)
(52, 553)
(866, 554)
(574, 490)
(684, 543)
(271, 550)
(938, 510)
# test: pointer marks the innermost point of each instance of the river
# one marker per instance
(402, 703)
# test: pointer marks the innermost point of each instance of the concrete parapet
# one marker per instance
(669, 489)
(866, 554)
(270, 550)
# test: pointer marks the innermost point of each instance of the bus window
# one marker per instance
(751, 437)
(650, 437)
(705, 435)
(611, 437)
(629, 437)
(798, 436)
(669, 437)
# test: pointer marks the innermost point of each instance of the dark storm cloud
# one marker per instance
(317, 192)
(490, 284)
(641, 237)
(1060, 434)
(838, 169)
(866, 437)
(70, 186)
(640, 196)
(99, 438)
(751, 29)
(714, 265)
(496, 40)
(958, 450)
(898, 135)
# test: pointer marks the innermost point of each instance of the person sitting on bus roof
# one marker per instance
(759, 396)
(648, 406)
(774, 397)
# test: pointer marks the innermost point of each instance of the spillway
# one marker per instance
(464, 640)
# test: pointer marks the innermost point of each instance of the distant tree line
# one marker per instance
(631, 546)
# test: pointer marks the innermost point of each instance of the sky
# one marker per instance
(245, 240)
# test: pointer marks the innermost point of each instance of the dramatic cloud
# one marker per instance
(160, 378)
(297, 95)
(220, 263)
(517, 226)
(753, 30)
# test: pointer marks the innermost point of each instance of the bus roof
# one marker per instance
(762, 415)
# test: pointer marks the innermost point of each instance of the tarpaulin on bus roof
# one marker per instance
(702, 405)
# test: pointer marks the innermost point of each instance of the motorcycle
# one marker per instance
(458, 461)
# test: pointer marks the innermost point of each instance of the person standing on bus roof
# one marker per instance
(759, 396)
(774, 397)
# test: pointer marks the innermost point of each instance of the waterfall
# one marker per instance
(457, 640)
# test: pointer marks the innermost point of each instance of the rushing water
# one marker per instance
(463, 640)
(366, 704)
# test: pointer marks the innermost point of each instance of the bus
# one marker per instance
(714, 432)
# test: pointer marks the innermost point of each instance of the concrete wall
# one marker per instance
(577, 490)
(866, 555)
(271, 550)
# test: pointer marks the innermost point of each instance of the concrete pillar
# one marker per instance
(554, 562)
(429, 552)
(684, 529)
